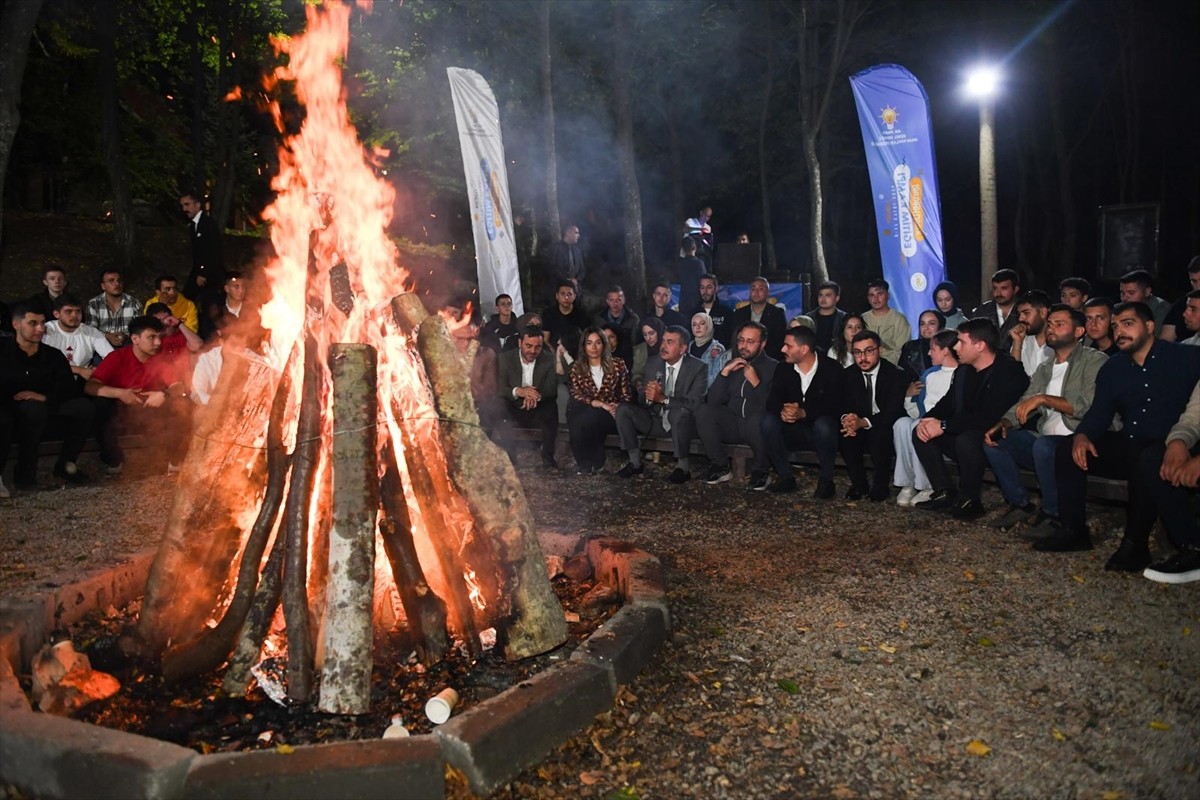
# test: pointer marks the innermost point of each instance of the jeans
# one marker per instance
(1024, 449)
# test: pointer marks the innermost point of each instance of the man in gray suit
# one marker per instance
(529, 387)
(673, 388)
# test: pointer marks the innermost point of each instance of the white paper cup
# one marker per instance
(439, 707)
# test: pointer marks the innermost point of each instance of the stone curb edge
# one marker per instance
(491, 743)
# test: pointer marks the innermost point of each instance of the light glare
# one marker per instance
(982, 82)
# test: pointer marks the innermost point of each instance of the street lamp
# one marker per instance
(982, 85)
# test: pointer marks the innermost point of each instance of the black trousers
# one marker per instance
(880, 445)
(27, 422)
(588, 428)
(1138, 461)
(543, 416)
(964, 449)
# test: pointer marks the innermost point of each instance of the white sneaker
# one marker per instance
(4, 493)
(921, 496)
(905, 498)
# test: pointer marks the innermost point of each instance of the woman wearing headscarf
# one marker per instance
(599, 383)
(652, 329)
(945, 299)
(705, 347)
(914, 355)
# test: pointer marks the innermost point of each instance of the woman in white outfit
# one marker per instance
(922, 396)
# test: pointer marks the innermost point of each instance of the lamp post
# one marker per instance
(982, 83)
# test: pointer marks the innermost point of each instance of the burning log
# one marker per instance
(425, 611)
(296, 519)
(346, 668)
(485, 478)
(203, 534)
(206, 652)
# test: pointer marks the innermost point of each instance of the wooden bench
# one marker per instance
(1105, 489)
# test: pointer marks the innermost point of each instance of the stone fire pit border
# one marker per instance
(490, 743)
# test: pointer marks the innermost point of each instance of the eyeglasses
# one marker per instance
(870, 351)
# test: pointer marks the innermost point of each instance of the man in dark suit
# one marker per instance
(529, 387)
(874, 400)
(1002, 308)
(674, 387)
(566, 258)
(802, 411)
(205, 283)
(769, 315)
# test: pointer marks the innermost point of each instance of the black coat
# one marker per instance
(772, 319)
(977, 400)
(891, 382)
(207, 260)
(824, 396)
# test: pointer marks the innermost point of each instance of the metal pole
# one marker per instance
(990, 254)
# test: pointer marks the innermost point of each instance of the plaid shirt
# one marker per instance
(99, 315)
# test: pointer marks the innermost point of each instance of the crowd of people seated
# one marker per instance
(112, 365)
(1062, 387)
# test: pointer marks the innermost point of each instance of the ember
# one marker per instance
(298, 475)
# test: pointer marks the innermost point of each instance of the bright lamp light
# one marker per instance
(982, 82)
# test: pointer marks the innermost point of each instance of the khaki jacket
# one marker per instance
(1079, 384)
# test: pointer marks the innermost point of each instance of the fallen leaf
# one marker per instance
(1079, 579)
(903, 625)
(986, 642)
(1187, 631)
(624, 793)
(1111, 795)
(1160, 726)
(591, 778)
(978, 748)
(887, 648)
(1057, 734)
(691, 676)
(788, 686)
(969, 575)
(844, 792)
(284, 749)
(839, 624)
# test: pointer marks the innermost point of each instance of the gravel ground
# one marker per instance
(821, 648)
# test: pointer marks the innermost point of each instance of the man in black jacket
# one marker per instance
(206, 282)
(761, 310)
(802, 411)
(985, 386)
(529, 388)
(732, 413)
(874, 400)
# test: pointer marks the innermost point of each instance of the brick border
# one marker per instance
(490, 743)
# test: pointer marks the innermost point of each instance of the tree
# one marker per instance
(631, 198)
(763, 120)
(17, 21)
(550, 153)
(821, 54)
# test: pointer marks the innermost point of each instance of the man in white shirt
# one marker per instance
(1060, 392)
(528, 386)
(1028, 336)
(80, 343)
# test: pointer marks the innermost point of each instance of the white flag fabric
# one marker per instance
(478, 120)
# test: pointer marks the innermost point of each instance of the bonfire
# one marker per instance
(341, 489)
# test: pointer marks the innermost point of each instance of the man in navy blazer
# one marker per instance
(874, 400)
(803, 410)
(529, 387)
(673, 387)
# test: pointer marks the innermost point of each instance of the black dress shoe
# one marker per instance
(856, 493)
(879, 494)
(940, 500)
(549, 462)
(967, 510)
(629, 470)
(782, 486)
(1130, 557)
(1064, 541)
(825, 490)
(679, 476)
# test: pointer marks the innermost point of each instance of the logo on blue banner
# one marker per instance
(893, 112)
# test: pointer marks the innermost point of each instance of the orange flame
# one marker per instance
(233, 95)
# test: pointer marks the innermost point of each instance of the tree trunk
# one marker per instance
(17, 21)
(485, 478)
(550, 153)
(764, 117)
(631, 199)
(204, 533)
(820, 272)
(124, 229)
(348, 628)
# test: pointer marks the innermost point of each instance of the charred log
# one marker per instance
(206, 652)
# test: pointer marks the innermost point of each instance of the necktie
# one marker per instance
(668, 390)
(871, 392)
